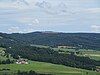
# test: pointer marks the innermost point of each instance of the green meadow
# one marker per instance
(93, 54)
(48, 68)
(45, 68)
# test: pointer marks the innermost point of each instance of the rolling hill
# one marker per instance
(45, 68)
(54, 39)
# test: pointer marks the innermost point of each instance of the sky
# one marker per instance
(70, 16)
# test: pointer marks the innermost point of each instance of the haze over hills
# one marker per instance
(49, 38)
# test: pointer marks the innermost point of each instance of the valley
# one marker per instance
(48, 54)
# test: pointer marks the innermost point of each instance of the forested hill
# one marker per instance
(80, 40)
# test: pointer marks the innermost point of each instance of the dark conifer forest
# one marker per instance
(80, 40)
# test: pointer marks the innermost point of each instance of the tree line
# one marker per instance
(79, 40)
(30, 73)
(51, 56)
(7, 61)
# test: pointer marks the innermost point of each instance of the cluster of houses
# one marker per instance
(21, 61)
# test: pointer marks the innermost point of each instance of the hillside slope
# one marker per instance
(81, 40)
(46, 68)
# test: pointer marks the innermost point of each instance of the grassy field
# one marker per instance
(82, 52)
(45, 68)
(41, 46)
(48, 68)
(92, 54)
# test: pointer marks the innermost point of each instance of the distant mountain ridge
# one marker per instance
(54, 39)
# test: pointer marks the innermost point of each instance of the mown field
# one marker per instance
(93, 54)
(45, 68)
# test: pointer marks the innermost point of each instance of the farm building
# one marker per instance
(22, 61)
(98, 69)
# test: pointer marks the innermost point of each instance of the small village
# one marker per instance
(21, 61)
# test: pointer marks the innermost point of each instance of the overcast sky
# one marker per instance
(24, 16)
